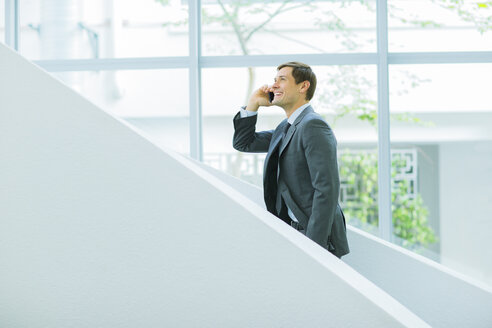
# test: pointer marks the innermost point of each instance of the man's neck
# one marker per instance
(293, 108)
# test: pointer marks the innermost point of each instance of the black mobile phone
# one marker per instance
(271, 95)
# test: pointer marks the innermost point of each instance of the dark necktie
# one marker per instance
(285, 130)
(280, 206)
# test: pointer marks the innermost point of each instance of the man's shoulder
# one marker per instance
(313, 118)
(312, 115)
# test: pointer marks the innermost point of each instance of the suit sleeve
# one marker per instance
(246, 139)
(321, 155)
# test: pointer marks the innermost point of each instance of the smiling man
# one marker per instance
(300, 177)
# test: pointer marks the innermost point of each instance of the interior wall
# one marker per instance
(466, 207)
(428, 180)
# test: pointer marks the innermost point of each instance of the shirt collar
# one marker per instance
(296, 113)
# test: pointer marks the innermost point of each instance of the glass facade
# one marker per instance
(288, 27)
(427, 25)
(203, 70)
(2, 21)
(52, 29)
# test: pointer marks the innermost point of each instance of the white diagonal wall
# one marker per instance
(101, 228)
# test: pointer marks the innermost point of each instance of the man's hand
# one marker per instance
(259, 98)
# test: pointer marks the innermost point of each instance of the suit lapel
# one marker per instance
(273, 147)
(293, 128)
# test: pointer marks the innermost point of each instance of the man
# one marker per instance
(300, 177)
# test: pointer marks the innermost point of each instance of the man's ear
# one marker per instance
(304, 86)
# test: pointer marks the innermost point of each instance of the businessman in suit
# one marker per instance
(300, 178)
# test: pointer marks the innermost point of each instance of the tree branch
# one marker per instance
(295, 40)
(277, 12)
(235, 26)
(271, 16)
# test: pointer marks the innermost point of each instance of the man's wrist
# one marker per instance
(252, 107)
(246, 113)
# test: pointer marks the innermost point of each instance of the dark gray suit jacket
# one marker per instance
(308, 174)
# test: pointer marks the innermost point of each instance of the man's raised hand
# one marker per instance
(260, 97)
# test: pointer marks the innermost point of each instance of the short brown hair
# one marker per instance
(302, 72)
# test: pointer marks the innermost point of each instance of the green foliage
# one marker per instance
(359, 172)
(410, 218)
(477, 13)
(346, 91)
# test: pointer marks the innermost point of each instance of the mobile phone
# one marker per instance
(271, 95)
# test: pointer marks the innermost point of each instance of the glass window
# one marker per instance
(2, 21)
(345, 96)
(155, 101)
(428, 25)
(286, 27)
(441, 140)
(103, 29)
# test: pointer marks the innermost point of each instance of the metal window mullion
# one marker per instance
(111, 64)
(12, 23)
(60, 65)
(195, 80)
(273, 60)
(455, 57)
(384, 149)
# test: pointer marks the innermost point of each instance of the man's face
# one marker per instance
(285, 89)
